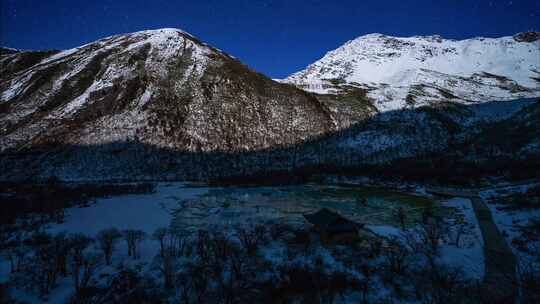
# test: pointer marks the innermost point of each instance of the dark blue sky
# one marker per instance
(274, 37)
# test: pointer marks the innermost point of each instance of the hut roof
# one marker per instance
(330, 221)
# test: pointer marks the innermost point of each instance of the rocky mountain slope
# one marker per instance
(163, 105)
(163, 88)
(415, 71)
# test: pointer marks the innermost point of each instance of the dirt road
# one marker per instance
(500, 268)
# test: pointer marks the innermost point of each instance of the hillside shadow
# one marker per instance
(428, 147)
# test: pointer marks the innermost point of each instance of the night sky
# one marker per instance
(274, 37)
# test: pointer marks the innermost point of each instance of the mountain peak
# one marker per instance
(372, 35)
(384, 36)
(162, 33)
(527, 36)
(381, 35)
(161, 87)
(6, 51)
(395, 68)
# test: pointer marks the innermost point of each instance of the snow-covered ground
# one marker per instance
(427, 68)
(148, 212)
(377, 58)
(469, 255)
(510, 221)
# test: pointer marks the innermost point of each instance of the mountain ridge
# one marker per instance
(160, 104)
(162, 87)
(404, 71)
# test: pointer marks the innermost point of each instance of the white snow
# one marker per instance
(162, 48)
(510, 222)
(151, 211)
(469, 256)
(393, 65)
(398, 61)
(385, 230)
(16, 87)
(60, 55)
(146, 212)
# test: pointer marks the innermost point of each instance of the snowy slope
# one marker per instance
(429, 68)
(163, 88)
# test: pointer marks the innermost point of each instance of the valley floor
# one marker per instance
(462, 244)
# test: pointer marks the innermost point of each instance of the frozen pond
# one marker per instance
(187, 208)
(227, 207)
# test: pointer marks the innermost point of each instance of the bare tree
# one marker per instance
(78, 243)
(15, 252)
(366, 283)
(442, 284)
(395, 259)
(220, 247)
(460, 228)
(260, 232)
(401, 216)
(91, 261)
(427, 213)
(278, 230)
(427, 239)
(133, 238)
(198, 273)
(167, 264)
(62, 246)
(107, 239)
(160, 235)
(251, 239)
(183, 281)
(202, 244)
(234, 278)
(40, 271)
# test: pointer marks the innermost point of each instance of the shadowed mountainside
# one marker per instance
(454, 141)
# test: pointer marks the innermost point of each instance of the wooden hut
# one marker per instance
(334, 228)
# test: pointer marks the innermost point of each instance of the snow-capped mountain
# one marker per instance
(163, 88)
(161, 104)
(414, 71)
